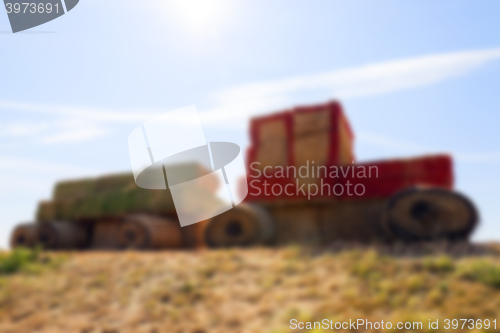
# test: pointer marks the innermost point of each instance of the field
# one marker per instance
(243, 290)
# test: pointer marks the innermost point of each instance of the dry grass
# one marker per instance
(254, 290)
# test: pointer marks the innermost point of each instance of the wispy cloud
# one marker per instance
(65, 130)
(401, 147)
(74, 130)
(22, 129)
(81, 112)
(240, 102)
(37, 168)
(69, 124)
(232, 107)
(29, 180)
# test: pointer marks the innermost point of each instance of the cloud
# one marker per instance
(74, 130)
(81, 112)
(253, 98)
(19, 175)
(58, 131)
(37, 168)
(392, 144)
(22, 129)
(240, 102)
(231, 107)
(399, 147)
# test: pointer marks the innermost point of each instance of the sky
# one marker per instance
(415, 77)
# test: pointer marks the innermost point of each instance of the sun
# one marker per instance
(200, 16)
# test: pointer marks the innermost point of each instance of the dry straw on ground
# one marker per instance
(252, 290)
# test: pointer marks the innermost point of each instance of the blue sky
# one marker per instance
(415, 77)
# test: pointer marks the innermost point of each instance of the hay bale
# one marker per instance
(271, 153)
(88, 208)
(24, 235)
(275, 127)
(180, 173)
(143, 231)
(346, 146)
(324, 148)
(59, 235)
(115, 203)
(156, 202)
(312, 121)
(65, 209)
(193, 204)
(430, 214)
(243, 225)
(315, 147)
(193, 235)
(296, 224)
(74, 189)
(46, 211)
(322, 134)
(140, 200)
(352, 220)
(113, 183)
(105, 234)
(118, 195)
(274, 130)
(82, 188)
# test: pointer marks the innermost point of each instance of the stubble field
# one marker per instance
(241, 290)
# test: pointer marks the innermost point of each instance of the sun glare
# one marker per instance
(200, 16)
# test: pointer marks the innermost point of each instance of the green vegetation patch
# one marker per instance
(483, 271)
(25, 260)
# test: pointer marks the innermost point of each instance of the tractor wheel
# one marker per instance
(430, 214)
(146, 232)
(24, 235)
(243, 225)
(62, 235)
(105, 234)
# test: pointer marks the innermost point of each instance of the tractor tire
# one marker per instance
(244, 225)
(432, 214)
(24, 235)
(62, 235)
(146, 232)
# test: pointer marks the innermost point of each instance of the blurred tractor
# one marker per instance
(303, 187)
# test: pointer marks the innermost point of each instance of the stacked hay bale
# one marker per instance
(111, 212)
(106, 196)
(119, 214)
(316, 137)
(271, 137)
(304, 137)
(321, 137)
(383, 179)
(115, 195)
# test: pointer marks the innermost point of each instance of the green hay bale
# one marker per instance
(74, 189)
(46, 211)
(116, 195)
(161, 202)
(64, 209)
(114, 204)
(114, 183)
(87, 208)
(149, 201)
